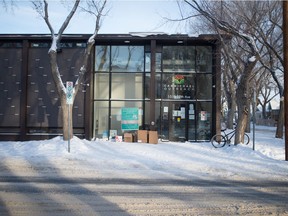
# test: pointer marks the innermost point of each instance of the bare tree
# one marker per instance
(262, 20)
(267, 93)
(269, 33)
(7, 4)
(95, 8)
(233, 65)
(252, 56)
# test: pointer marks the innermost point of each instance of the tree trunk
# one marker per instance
(67, 119)
(231, 114)
(243, 101)
(67, 125)
(231, 105)
(280, 122)
(243, 104)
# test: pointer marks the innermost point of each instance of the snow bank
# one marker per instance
(164, 160)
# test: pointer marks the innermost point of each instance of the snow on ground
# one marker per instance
(138, 160)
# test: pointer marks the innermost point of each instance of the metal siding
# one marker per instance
(10, 87)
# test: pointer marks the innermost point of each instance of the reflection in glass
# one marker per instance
(204, 86)
(101, 86)
(204, 120)
(147, 62)
(101, 119)
(102, 58)
(127, 59)
(191, 121)
(147, 85)
(204, 59)
(147, 116)
(127, 86)
(158, 62)
(179, 59)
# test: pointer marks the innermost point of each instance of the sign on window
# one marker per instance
(129, 118)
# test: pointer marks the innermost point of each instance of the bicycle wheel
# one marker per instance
(218, 141)
(246, 139)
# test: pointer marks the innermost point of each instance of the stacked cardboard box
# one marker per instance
(128, 137)
(153, 137)
(142, 136)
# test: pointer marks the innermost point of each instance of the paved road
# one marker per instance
(34, 195)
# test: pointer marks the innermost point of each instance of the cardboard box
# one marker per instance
(128, 137)
(142, 136)
(153, 137)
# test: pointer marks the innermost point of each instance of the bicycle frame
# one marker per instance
(226, 135)
(220, 140)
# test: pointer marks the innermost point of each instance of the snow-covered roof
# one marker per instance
(275, 104)
(146, 34)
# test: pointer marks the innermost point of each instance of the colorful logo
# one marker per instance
(179, 79)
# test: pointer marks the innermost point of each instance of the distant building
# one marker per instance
(168, 83)
(272, 112)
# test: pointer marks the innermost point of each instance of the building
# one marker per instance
(270, 116)
(168, 83)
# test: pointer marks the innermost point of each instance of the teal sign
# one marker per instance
(129, 118)
(69, 92)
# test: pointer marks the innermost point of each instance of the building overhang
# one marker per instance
(132, 38)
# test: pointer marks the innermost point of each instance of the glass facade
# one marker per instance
(178, 86)
(178, 59)
(126, 86)
(118, 83)
(183, 89)
(158, 82)
(127, 59)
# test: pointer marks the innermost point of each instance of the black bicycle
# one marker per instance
(220, 140)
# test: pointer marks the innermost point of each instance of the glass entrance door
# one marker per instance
(191, 118)
(177, 127)
(177, 121)
(183, 121)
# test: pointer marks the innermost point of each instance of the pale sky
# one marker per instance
(125, 16)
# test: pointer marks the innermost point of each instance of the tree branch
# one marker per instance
(98, 13)
(226, 27)
(68, 19)
(46, 18)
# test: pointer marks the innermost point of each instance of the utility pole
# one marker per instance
(285, 52)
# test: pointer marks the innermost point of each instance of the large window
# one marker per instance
(127, 86)
(204, 120)
(101, 117)
(118, 83)
(116, 108)
(183, 89)
(204, 86)
(101, 86)
(178, 86)
(187, 73)
(102, 61)
(127, 59)
(204, 59)
(179, 59)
